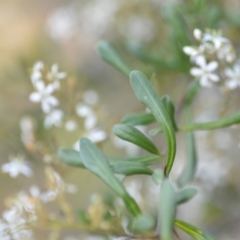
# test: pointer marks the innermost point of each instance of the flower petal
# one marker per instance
(35, 97)
(201, 61)
(196, 72)
(212, 66)
(213, 77)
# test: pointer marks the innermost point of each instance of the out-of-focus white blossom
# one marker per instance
(82, 110)
(95, 135)
(61, 24)
(233, 76)
(91, 97)
(27, 132)
(55, 76)
(205, 72)
(197, 34)
(70, 125)
(37, 72)
(54, 118)
(44, 96)
(17, 165)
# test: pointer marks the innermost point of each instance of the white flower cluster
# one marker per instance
(215, 60)
(44, 92)
(17, 165)
(29, 207)
(85, 109)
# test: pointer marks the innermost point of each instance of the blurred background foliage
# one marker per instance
(150, 36)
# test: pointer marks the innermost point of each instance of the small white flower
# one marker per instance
(36, 72)
(197, 34)
(44, 95)
(233, 76)
(91, 97)
(55, 76)
(70, 125)
(54, 118)
(83, 110)
(16, 166)
(216, 38)
(204, 72)
(194, 52)
(90, 121)
(97, 135)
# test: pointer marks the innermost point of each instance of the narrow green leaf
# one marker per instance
(192, 231)
(189, 169)
(131, 168)
(145, 160)
(167, 210)
(70, 157)
(168, 104)
(191, 93)
(153, 132)
(110, 54)
(158, 176)
(95, 161)
(220, 123)
(133, 135)
(185, 195)
(136, 119)
(148, 96)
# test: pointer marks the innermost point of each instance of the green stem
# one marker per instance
(224, 122)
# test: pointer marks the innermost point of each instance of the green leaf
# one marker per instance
(185, 195)
(191, 93)
(220, 123)
(133, 135)
(83, 217)
(153, 132)
(158, 176)
(130, 168)
(168, 104)
(148, 96)
(136, 119)
(145, 160)
(189, 169)
(70, 157)
(95, 161)
(192, 231)
(110, 54)
(167, 210)
(143, 223)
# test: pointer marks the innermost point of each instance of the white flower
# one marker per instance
(194, 52)
(91, 97)
(233, 76)
(83, 110)
(54, 118)
(90, 121)
(44, 96)
(36, 72)
(204, 72)
(197, 34)
(16, 166)
(216, 38)
(55, 76)
(70, 125)
(95, 135)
